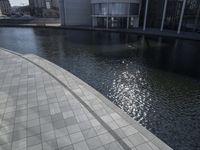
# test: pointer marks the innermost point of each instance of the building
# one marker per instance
(55, 4)
(44, 8)
(115, 13)
(37, 7)
(176, 15)
(5, 7)
(100, 13)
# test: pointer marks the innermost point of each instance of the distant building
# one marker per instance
(44, 8)
(5, 7)
(20, 10)
(176, 15)
(115, 13)
(100, 13)
(55, 4)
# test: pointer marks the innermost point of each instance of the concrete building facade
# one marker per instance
(5, 7)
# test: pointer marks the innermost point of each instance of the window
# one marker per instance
(134, 9)
(99, 9)
(115, 9)
(118, 8)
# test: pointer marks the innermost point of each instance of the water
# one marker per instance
(155, 80)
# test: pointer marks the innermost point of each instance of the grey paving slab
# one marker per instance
(35, 147)
(21, 144)
(81, 146)
(50, 145)
(76, 137)
(89, 133)
(63, 141)
(42, 106)
(34, 140)
(136, 139)
(94, 142)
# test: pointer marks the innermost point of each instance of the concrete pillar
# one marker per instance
(107, 22)
(107, 14)
(128, 15)
(197, 18)
(128, 20)
(94, 21)
(145, 15)
(140, 7)
(164, 15)
(181, 17)
(62, 11)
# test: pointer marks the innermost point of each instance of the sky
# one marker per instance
(18, 2)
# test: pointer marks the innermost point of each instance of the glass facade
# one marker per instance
(100, 9)
(191, 15)
(155, 11)
(101, 22)
(173, 14)
(118, 9)
(134, 9)
(124, 15)
(117, 22)
(115, 15)
(115, 9)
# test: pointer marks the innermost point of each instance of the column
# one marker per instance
(164, 15)
(62, 15)
(128, 15)
(197, 18)
(145, 15)
(107, 14)
(94, 21)
(181, 17)
(140, 7)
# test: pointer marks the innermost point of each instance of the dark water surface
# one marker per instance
(155, 80)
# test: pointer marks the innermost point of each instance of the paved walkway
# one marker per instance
(44, 107)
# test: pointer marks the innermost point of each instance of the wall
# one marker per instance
(76, 12)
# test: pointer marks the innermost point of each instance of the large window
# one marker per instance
(155, 13)
(115, 9)
(118, 9)
(100, 9)
(173, 14)
(134, 9)
(191, 16)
